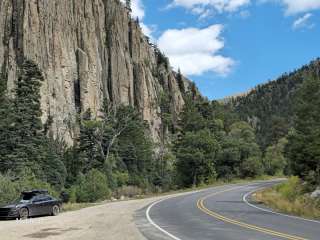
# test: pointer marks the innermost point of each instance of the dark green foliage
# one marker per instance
(92, 187)
(179, 78)
(274, 160)
(161, 58)
(166, 115)
(304, 139)
(233, 149)
(23, 142)
(3, 87)
(191, 118)
(11, 186)
(196, 154)
(269, 107)
(135, 148)
(118, 145)
(239, 148)
(21, 138)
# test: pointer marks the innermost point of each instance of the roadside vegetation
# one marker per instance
(303, 150)
(291, 197)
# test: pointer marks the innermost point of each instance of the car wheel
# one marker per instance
(24, 213)
(55, 210)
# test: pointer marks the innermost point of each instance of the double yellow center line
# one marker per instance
(203, 208)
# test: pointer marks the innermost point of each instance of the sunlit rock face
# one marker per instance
(88, 51)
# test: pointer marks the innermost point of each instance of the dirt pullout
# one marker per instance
(108, 221)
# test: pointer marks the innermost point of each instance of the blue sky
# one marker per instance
(229, 46)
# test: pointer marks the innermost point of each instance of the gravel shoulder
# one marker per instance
(107, 221)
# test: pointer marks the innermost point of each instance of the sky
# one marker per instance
(229, 46)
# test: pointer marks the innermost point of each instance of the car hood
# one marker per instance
(9, 206)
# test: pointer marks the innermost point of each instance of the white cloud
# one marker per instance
(302, 22)
(138, 11)
(137, 8)
(196, 51)
(297, 6)
(203, 5)
(148, 30)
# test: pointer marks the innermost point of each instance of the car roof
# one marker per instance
(36, 191)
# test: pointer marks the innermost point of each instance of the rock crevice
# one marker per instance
(88, 51)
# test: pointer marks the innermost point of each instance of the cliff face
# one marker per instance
(88, 50)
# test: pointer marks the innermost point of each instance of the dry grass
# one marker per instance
(66, 207)
(296, 203)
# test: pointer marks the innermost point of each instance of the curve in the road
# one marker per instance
(184, 217)
(157, 226)
(203, 208)
(245, 199)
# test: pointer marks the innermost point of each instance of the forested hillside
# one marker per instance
(269, 108)
(287, 110)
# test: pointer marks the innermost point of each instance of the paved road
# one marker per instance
(221, 213)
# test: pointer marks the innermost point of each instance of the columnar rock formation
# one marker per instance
(88, 50)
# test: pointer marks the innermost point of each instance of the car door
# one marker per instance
(39, 205)
(34, 207)
(47, 205)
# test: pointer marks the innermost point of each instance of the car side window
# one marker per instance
(40, 199)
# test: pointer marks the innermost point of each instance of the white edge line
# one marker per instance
(244, 198)
(157, 226)
(155, 203)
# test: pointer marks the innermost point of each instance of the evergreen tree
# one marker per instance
(304, 140)
(179, 78)
(23, 142)
(23, 135)
(196, 154)
(190, 118)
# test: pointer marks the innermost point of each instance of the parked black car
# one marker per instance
(30, 204)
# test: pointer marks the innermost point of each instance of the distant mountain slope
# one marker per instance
(269, 107)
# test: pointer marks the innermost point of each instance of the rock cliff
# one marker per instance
(88, 50)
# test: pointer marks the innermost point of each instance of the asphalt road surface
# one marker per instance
(225, 213)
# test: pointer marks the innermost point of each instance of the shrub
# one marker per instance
(290, 198)
(92, 187)
(11, 187)
(290, 189)
(252, 167)
(28, 181)
(8, 190)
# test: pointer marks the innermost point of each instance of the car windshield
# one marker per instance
(25, 198)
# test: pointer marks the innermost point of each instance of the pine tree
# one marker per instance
(304, 140)
(23, 134)
(180, 81)
(23, 143)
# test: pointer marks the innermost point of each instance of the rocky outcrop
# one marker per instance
(88, 50)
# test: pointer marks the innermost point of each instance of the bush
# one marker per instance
(28, 181)
(8, 190)
(290, 197)
(290, 189)
(92, 187)
(11, 187)
(252, 167)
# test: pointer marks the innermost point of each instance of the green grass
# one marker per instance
(290, 198)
